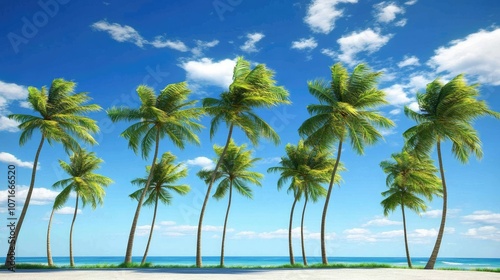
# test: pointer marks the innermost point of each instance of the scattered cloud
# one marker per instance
(7, 124)
(205, 71)
(477, 55)
(269, 160)
(484, 233)
(387, 11)
(483, 217)
(329, 52)
(411, 2)
(10, 92)
(160, 42)
(378, 222)
(11, 159)
(368, 41)
(304, 44)
(171, 228)
(282, 234)
(252, 39)
(68, 211)
(396, 95)
(322, 14)
(203, 45)
(438, 212)
(203, 162)
(395, 112)
(401, 22)
(120, 33)
(40, 196)
(408, 61)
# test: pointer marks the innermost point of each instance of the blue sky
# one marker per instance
(111, 47)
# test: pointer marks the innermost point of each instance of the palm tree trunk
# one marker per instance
(150, 232)
(290, 247)
(432, 260)
(325, 208)
(225, 224)
(302, 230)
(50, 262)
(202, 212)
(406, 237)
(130, 243)
(11, 250)
(71, 259)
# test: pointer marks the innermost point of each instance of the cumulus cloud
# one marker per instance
(408, 61)
(205, 71)
(160, 42)
(396, 95)
(203, 45)
(7, 124)
(282, 234)
(252, 40)
(387, 11)
(40, 196)
(68, 211)
(10, 92)
(172, 229)
(329, 52)
(11, 159)
(381, 222)
(322, 14)
(303, 44)
(438, 212)
(368, 41)
(484, 233)
(483, 217)
(203, 162)
(476, 55)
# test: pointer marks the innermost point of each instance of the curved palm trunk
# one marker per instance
(327, 200)
(302, 232)
(202, 212)
(432, 260)
(406, 237)
(290, 247)
(225, 224)
(130, 243)
(12, 246)
(71, 259)
(150, 232)
(50, 262)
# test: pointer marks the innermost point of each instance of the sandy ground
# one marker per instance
(272, 274)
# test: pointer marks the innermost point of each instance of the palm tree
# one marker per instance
(408, 178)
(165, 175)
(251, 89)
(168, 114)
(50, 261)
(61, 119)
(233, 172)
(345, 112)
(446, 113)
(306, 169)
(87, 185)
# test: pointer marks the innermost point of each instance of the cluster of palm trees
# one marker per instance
(345, 114)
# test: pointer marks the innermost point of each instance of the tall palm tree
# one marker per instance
(344, 113)
(251, 89)
(87, 185)
(447, 112)
(409, 177)
(61, 119)
(233, 173)
(165, 175)
(306, 168)
(50, 261)
(168, 114)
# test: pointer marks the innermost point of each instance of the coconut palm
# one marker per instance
(447, 112)
(250, 89)
(233, 173)
(168, 114)
(165, 175)
(61, 119)
(344, 113)
(409, 178)
(306, 169)
(87, 185)
(50, 261)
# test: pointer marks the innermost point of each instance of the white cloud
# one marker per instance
(304, 43)
(395, 112)
(144, 230)
(476, 55)
(40, 196)
(11, 91)
(408, 61)
(387, 11)
(160, 42)
(414, 106)
(364, 41)
(68, 211)
(25, 104)
(202, 45)
(438, 212)
(11, 159)
(269, 160)
(207, 72)
(282, 234)
(484, 233)
(322, 14)
(483, 217)
(329, 52)
(120, 33)
(396, 95)
(411, 2)
(7, 124)
(401, 22)
(381, 222)
(364, 235)
(203, 162)
(252, 39)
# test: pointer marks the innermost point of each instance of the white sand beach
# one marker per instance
(271, 274)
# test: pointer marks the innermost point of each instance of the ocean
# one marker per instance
(460, 263)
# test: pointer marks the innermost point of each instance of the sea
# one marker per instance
(459, 263)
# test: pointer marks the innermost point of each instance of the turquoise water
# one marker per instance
(461, 263)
